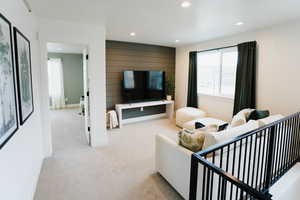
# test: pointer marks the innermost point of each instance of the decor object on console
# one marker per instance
(187, 114)
(170, 86)
(23, 62)
(8, 107)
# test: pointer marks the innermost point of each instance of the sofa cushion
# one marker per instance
(269, 120)
(186, 114)
(212, 138)
(190, 125)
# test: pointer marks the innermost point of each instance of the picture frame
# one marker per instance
(8, 99)
(24, 75)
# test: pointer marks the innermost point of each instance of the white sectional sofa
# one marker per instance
(173, 161)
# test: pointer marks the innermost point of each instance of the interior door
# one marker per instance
(86, 97)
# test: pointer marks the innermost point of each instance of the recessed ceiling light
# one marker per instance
(239, 23)
(186, 4)
(132, 34)
(177, 41)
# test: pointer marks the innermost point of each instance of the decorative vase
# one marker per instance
(169, 97)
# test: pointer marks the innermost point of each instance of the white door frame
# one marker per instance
(76, 33)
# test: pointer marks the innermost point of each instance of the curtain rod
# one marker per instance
(214, 49)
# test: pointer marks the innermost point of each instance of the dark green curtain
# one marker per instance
(245, 77)
(192, 99)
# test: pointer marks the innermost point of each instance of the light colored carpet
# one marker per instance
(122, 170)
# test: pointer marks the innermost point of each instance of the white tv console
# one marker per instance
(169, 111)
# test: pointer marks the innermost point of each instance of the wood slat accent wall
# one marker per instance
(122, 56)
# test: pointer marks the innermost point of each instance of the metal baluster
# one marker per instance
(221, 158)
(281, 146)
(194, 178)
(294, 140)
(270, 157)
(208, 184)
(249, 163)
(239, 167)
(212, 176)
(276, 140)
(286, 144)
(245, 157)
(254, 160)
(262, 173)
(233, 167)
(258, 160)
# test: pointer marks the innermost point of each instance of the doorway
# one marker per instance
(67, 69)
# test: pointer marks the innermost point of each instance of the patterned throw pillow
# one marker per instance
(193, 140)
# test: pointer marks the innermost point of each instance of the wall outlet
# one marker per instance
(142, 109)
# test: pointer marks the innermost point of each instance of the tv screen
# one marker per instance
(143, 86)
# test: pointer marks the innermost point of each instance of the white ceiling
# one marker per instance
(164, 21)
(64, 48)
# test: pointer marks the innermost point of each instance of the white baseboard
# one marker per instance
(66, 106)
(72, 105)
(144, 118)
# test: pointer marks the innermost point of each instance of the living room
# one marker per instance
(187, 84)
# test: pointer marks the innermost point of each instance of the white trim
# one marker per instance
(77, 105)
(144, 118)
(217, 97)
(66, 106)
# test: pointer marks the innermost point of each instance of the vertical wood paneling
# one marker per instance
(122, 56)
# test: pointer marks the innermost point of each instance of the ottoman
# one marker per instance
(186, 114)
(190, 125)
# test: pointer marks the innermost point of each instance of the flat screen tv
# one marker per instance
(141, 86)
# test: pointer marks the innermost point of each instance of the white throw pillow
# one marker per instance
(241, 117)
(269, 120)
(212, 138)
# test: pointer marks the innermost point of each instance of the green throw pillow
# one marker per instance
(258, 114)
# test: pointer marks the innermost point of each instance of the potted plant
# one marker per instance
(170, 85)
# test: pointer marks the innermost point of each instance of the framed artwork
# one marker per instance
(24, 76)
(8, 102)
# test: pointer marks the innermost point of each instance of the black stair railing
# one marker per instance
(247, 166)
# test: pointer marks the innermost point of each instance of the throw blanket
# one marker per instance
(113, 119)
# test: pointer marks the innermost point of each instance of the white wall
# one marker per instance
(94, 38)
(278, 70)
(21, 157)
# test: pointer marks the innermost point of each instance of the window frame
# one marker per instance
(221, 51)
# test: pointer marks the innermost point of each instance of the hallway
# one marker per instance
(122, 170)
(67, 131)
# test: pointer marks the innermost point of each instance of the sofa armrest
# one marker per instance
(173, 163)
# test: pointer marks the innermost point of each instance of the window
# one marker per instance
(217, 71)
